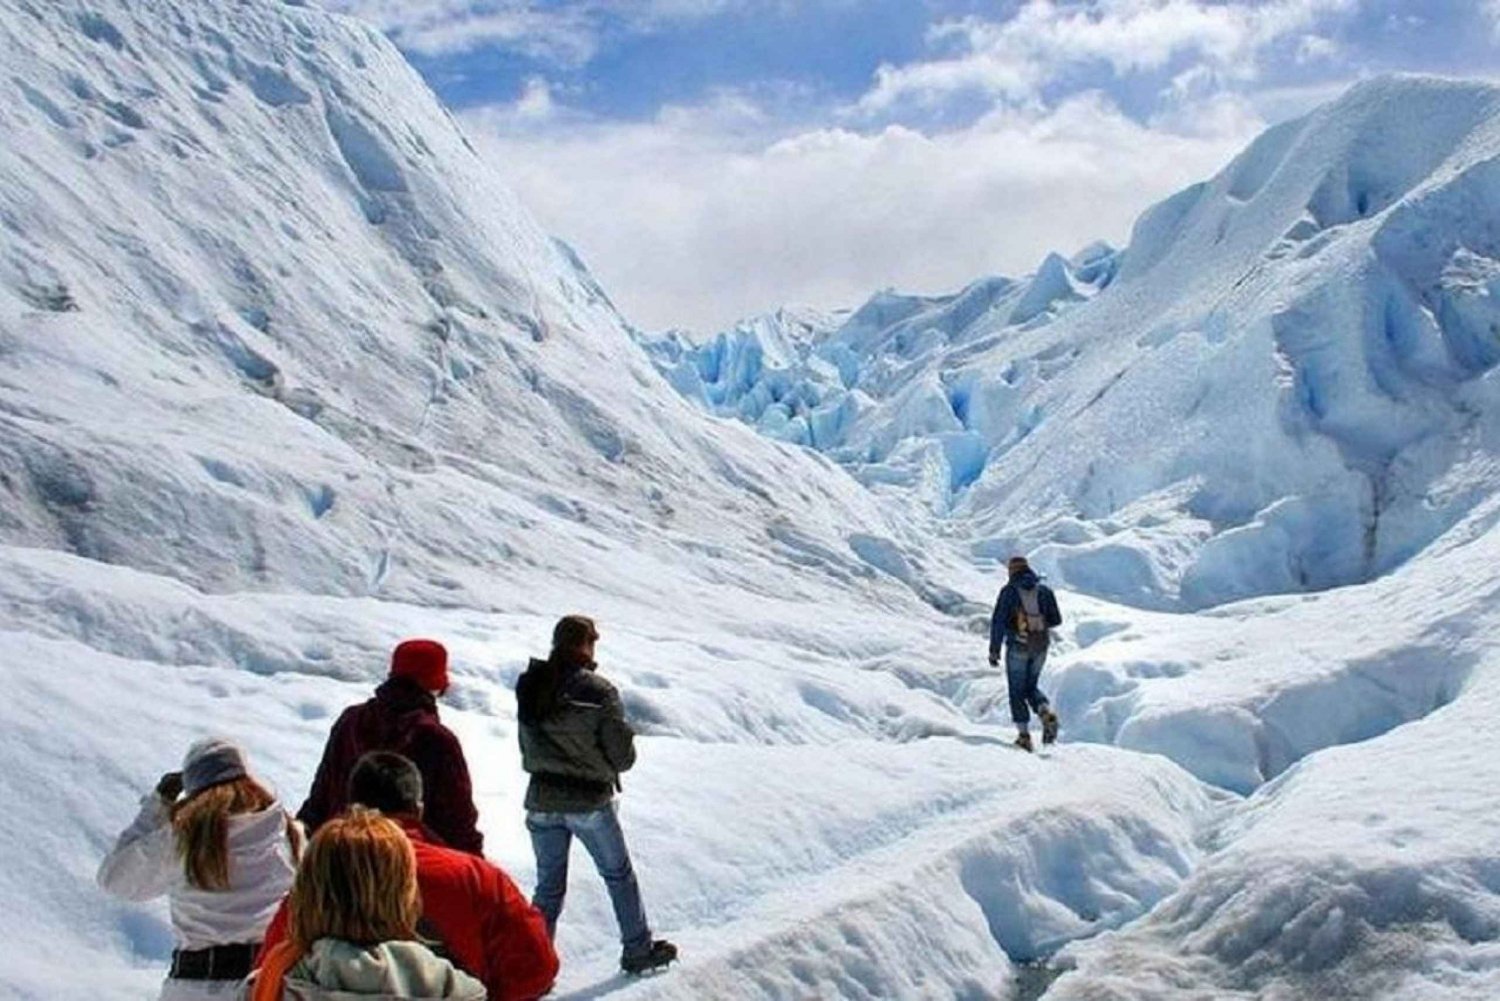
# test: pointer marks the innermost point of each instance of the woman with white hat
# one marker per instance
(222, 850)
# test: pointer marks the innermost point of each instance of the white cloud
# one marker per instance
(562, 33)
(535, 103)
(1012, 59)
(1316, 48)
(707, 214)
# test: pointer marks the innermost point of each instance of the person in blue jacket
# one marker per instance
(1025, 615)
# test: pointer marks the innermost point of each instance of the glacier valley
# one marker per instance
(287, 373)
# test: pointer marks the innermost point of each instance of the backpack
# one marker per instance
(1031, 624)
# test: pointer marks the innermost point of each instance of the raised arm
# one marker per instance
(143, 864)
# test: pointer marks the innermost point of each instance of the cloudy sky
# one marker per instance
(711, 159)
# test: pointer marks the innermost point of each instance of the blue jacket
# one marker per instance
(1003, 622)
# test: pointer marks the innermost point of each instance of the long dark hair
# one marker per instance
(539, 691)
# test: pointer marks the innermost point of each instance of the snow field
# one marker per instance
(837, 832)
(813, 799)
(1363, 870)
(844, 855)
(1366, 871)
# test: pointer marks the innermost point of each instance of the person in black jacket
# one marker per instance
(1025, 615)
(575, 742)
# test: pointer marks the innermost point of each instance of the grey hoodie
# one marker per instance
(334, 970)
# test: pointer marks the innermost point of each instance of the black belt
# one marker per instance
(576, 783)
(217, 962)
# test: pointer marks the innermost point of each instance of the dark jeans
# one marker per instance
(1022, 672)
(599, 830)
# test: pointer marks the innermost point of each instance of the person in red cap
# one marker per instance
(403, 717)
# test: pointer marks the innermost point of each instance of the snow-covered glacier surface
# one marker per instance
(1280, 385)
(287, 373)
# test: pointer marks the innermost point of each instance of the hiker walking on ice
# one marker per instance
(575, 742)
(1025, 615)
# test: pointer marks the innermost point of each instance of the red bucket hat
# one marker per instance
(424, 662)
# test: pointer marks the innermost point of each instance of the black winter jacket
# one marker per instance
(1003, 623)
(576, 744)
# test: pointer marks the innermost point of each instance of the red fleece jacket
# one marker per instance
(483, 922)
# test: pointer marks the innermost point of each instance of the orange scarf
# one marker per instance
(271, 976)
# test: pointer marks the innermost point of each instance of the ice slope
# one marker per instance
(295, 334)
(1277, 389)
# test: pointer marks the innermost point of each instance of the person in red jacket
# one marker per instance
(472, 913)
(403, 717)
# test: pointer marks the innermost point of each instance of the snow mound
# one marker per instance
(1366, 872)
(1008, 875)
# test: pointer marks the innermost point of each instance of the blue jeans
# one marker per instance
(1022, 672)
(599, 830)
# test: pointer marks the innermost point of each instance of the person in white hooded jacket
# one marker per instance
(223, 851)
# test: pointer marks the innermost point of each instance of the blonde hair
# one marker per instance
(201, 826)
(357, 882)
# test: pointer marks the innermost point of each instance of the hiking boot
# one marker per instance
(1049, 724)
(656, 957)
(1023, 740)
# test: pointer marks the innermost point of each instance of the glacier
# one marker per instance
(288, 373)
(1288, 360)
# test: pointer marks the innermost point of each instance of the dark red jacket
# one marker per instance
(483, 923)
(402, 717)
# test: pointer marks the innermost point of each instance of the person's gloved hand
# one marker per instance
(169, 787)
(994, 660)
